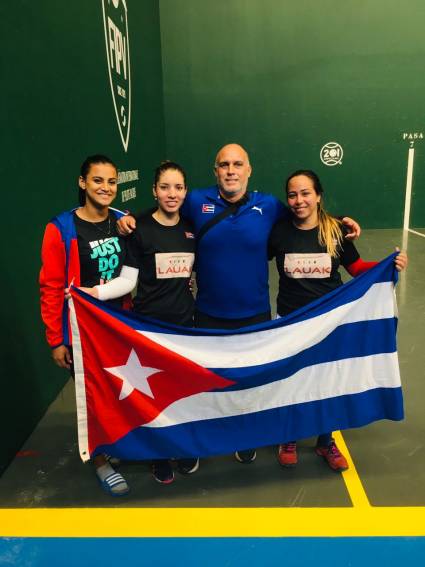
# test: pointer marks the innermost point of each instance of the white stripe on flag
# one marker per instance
(319, 382)
(261, 347)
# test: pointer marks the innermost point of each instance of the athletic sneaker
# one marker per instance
(187, 466)
(247, 456)
(287, 454)
(333, 457)
(162, 471)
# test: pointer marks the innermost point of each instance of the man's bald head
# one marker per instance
(232, 170)
(234, 149)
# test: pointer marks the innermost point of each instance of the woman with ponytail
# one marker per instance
(309, 248)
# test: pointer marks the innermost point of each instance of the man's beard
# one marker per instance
(232, 193)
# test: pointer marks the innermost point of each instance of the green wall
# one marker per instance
(57, 108)
(284, 78)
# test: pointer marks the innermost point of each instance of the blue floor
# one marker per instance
(209, 552)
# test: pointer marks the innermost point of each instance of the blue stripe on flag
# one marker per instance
(354, 289)
(227, 434)
(364, 338)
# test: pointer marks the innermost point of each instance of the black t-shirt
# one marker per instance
(164, 256)
(306, 270)
(101, 250)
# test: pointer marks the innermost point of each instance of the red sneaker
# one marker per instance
(333, 457)
(287, 454)
(162, 471)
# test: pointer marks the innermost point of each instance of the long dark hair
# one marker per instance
(330, 233)
(85, 169)
(165, 166)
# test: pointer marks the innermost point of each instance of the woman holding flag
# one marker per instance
(160, 256)
(81, 246)
(309, 248)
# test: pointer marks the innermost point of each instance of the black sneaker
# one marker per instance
(162, 471)
(247, 456)
(187, 466)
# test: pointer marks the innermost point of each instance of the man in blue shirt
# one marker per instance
(231, 262)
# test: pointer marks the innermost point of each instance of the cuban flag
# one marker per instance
(206, 208)
(148, 390)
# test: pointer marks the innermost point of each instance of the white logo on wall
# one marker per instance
(331, 154)
(118, 56)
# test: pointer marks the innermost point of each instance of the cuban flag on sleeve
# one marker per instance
(149, 390)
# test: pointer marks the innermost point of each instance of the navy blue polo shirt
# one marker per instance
(231, 260)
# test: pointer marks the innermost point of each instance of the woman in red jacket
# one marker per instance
(83, 247)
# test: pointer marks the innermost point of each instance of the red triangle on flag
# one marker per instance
(119, 362)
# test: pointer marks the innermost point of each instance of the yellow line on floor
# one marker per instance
(213, 522)
(351, 478)
(361, 520)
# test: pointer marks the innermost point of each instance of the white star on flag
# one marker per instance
(134, 376)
